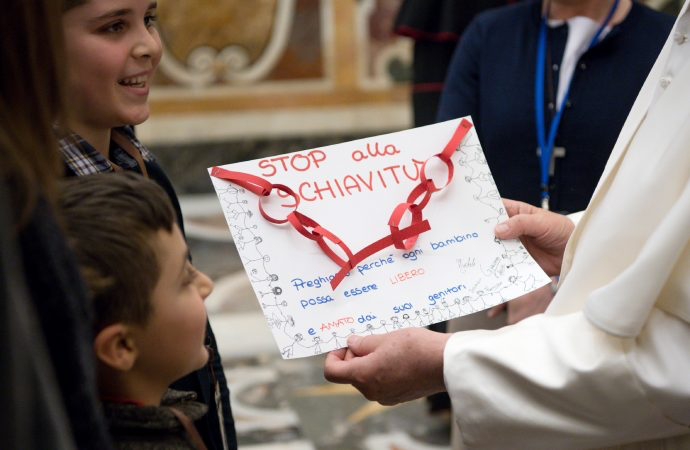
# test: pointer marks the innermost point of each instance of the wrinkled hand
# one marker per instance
(392, 368)
(532, 303)
(543, 233)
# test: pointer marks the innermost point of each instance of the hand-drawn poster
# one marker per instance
(455, 268)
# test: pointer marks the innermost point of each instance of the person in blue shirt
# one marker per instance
(577, 91)
(492, 78)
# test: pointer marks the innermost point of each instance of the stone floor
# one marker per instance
(287, 404)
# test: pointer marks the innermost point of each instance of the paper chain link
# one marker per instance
(402, 239)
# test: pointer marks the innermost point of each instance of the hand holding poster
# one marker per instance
(369, 275)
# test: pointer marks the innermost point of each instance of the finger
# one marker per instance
(336, 370)
(514, 207)
(496, 310)
(388, 402)
(349, 355)
(362, 346)
(522, 225)
(341, 353)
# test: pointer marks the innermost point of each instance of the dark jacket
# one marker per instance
(136, 427)
(64, 315)
(492, 77)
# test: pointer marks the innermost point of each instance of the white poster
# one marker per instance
(456, 267)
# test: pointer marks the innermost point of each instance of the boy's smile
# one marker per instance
(112, 50)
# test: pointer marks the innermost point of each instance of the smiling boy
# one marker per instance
(112, 50)
(150, 320)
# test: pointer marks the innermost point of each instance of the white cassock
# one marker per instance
(609, 361)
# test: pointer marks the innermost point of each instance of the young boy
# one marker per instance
(112, 50)
(150, 320)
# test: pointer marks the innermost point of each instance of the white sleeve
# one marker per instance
(575, 217)
(560, 382)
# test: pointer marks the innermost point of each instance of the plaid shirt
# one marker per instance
(83, 159)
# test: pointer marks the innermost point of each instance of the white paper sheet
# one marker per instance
(456, 268)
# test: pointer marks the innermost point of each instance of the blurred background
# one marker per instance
(242, 79)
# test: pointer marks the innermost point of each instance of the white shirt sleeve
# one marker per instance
(559, 382)
(575, 217)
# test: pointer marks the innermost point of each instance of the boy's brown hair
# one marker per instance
(111, 221)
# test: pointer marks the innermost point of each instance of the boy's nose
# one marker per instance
(205, 285)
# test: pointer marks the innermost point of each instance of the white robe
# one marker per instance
(609, 361)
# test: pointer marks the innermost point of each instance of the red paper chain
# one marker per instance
(403, 239)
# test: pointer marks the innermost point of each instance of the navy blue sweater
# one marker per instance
(491, 78)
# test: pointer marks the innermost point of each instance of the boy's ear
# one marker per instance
(115, 347)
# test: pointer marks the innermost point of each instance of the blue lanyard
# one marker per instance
(545, 145)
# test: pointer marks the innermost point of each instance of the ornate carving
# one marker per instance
(207, 42)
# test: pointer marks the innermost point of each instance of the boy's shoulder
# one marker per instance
(153, 427)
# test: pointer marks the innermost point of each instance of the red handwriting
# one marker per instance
(299, 161)
(404, 276)
(337, 323)
(349, 185)
(400, 238)
(373, 152)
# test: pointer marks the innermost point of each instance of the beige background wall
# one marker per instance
(235, 69)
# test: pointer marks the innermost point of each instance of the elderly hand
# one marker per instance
(543, 233)
(392, 368)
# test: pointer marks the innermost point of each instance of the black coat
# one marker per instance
(64, 317)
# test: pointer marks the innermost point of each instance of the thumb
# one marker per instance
(362, 346)
(496, 310)
(522, 225)
(503, 231)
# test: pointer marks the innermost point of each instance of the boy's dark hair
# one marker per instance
(110, 221)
